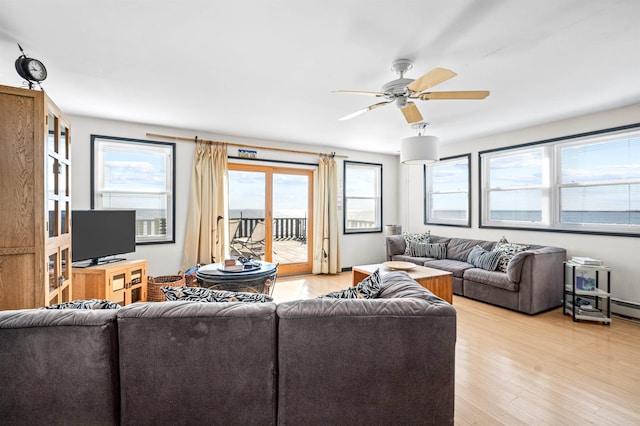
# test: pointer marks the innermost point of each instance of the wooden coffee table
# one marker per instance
(436, 281)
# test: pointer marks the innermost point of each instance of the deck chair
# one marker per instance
(253, 245)
(234, 244)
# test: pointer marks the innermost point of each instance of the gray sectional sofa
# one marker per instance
(532, 282)
(388, 360)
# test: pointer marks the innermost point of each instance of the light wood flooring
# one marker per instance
(517, 369)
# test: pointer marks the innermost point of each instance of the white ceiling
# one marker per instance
(265, 69)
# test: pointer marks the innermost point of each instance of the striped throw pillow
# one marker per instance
(481, 258)
(415, 238)
(435, 250)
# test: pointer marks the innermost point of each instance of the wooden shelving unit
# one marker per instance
(123, 282)
(598, 295)
(35, 200)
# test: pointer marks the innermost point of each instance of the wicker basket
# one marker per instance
(154, 284)
(190, 280)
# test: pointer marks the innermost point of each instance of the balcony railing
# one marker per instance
(151, 227)
(284, 228)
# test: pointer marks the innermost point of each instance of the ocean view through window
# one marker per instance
(447, 197)
(136, 174)
(362, 197)
(588, 183)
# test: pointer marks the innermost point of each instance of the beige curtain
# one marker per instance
(326, 249)
(205, 236)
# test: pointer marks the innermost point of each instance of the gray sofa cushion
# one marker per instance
(59, 367)
(492, 278)
(382, 354)
(456, 267)
(198, 363)
(459, 248)
(398, 284)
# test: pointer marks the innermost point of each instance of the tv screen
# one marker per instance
(96, 234)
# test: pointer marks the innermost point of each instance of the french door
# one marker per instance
(270, 215)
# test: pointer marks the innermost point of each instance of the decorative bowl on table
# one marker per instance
(399, 265)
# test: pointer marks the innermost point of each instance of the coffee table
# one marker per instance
(436, 281)
(259, 280)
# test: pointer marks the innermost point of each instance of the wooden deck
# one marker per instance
(290, 251)
(287, 251)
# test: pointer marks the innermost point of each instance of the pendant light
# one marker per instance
(421, 149)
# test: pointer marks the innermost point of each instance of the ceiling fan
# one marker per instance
(402, 90)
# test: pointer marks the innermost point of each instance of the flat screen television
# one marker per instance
(98, 234)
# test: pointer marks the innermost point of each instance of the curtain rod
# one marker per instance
(178, 138)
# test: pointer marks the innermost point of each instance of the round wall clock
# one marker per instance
(31, 69)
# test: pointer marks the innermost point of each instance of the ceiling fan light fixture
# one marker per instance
(419, 150)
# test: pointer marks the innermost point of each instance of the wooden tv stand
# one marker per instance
(122, 282)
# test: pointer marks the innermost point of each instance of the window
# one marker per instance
(362, 197)
(138, 175)
(582, 183)
(447, 198)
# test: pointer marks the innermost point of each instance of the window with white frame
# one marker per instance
(139, 175)
(583, 183)
(447, 197)
(362, 197)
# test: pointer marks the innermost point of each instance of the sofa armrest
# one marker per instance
(395, 245)
(541, 280)
(59, 367)
(514, 267)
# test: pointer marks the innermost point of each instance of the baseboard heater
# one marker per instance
(625, 308)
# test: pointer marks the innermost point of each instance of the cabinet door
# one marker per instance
(58, 209)
(117, 287)
(137, 284)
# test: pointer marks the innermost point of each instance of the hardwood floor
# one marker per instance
(516, 369)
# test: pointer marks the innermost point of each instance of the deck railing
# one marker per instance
(284, 228)
(150, 227)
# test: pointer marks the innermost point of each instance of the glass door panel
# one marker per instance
(290, 216)
(247, 208)
(269, 215)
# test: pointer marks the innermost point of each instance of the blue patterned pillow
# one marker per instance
(436, 250)
(85, 304)
(368, 288)
(481, 258)
(508, 250)
(414, 238)
(199, 294)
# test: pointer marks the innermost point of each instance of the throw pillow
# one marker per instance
(199, 294)
(85, 304)
(368, 288)
(508, 250)
(481, 258)
(415, 238)
(436, 250)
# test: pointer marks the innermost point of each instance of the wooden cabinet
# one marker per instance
(123, 282)
(35, 201)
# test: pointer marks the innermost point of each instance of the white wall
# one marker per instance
(619, 253)
(165, 259)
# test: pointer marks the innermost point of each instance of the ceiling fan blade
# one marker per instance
(464, 94)
(411, 113)
(363, 110)
(430, 79)
(358, 92)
